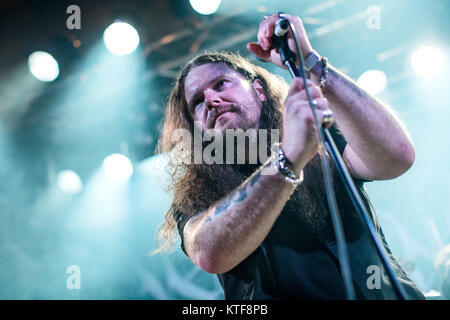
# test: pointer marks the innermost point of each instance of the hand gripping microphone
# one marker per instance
(280, 42)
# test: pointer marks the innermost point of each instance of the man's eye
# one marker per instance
(220, 83)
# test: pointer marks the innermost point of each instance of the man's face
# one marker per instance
(221, 98)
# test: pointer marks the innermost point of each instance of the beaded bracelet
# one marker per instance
(282, 164)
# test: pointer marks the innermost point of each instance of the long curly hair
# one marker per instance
(195, 187)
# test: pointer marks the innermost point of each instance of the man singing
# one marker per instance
(269, 236)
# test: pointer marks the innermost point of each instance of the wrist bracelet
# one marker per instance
(281, 163)
(324, 72)
(317, 65)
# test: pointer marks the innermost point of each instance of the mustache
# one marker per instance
(217, 112)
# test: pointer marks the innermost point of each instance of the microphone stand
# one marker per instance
(289, 58)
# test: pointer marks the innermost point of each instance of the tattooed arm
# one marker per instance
(378, 146)
(221, 237)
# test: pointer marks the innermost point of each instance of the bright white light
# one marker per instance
(117, 167)
(205, 7)
(43, 66)
(69, 182)
(121, 38)
(427, 62)
(373, 81)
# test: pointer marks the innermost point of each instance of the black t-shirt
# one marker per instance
(294, 262)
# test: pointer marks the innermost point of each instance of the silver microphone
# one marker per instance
(281, 27)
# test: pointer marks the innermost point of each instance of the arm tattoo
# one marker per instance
(348, 83)
(240, 195)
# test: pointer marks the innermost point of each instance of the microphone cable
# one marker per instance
(331, 197)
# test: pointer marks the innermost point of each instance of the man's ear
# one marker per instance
(258, 86)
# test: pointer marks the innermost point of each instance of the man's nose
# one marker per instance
(212, 99)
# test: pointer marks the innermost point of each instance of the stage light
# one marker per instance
(205, 7)
(427, 62)
(43, 66)
(117, 167)
(69, 182)
(121, 38)
(373, 81)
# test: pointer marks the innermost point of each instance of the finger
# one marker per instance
(314, 91)
(270, 28)
(265, 32)
(305, 45)
(298, 85)
(321, 103)
(276, 58)
(261, 34)
(258, 51)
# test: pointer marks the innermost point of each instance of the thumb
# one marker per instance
(257, 50)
